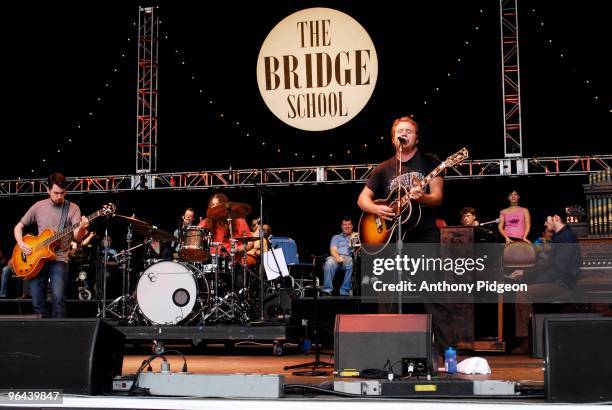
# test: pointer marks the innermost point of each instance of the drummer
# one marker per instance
(216, 222)
(186, 221)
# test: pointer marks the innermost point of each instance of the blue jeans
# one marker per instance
(6, 274)
(58, 273)
(329, 271)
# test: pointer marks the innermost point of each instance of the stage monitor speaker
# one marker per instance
(537, 328)
(78, 356)
(370, 341)
(578, 360)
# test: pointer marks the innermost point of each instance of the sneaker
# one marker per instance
(326, 293)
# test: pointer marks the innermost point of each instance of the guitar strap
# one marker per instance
(64, 217)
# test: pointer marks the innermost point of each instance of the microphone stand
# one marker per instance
(262, 270)
(317, 361)
(262, 282)
(400, 244)
(104, 272)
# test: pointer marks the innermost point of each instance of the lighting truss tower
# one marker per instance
(511, 79)
(146, 133)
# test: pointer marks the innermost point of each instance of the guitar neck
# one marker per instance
(425, 181)
(70, 229)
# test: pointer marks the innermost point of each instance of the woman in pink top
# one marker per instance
(514, 221)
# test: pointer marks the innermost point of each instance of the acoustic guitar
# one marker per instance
(375, 232)
(43, 246)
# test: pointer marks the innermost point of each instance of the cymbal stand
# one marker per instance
(243, 297)
(218, 302)
(125, 301)
(232, 294)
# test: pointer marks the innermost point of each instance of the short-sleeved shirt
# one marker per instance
(46, 215)
(341, 242)
(384, 180)
(221, 233)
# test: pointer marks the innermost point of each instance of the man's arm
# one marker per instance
(81, 231)
(18, 233)
(367, 204)
(334, 252)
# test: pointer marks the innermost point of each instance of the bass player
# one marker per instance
(53, 213)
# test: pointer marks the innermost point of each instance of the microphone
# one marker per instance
(495, 221)
(401, 139)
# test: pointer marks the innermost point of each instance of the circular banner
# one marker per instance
(317, 69)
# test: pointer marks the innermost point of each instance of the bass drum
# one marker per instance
(168, 291)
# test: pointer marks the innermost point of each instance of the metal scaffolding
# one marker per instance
(146, 112)
(316, 175)
(511, 79)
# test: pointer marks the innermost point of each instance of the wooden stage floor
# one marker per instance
(260, 360)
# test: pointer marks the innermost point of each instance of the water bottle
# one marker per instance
(450, 360)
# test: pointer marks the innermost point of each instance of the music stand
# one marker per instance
(316, 363)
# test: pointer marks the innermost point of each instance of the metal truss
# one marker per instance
(511, 79)
(146, 112)
(332, 174)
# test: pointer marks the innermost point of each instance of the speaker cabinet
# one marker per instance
(537, 328)
(578, 360)
(279, 306)
(79, 356)
(369, 341)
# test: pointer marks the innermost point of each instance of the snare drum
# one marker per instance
(194, 243)
(167, 292)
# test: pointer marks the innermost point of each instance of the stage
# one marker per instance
(258, 359)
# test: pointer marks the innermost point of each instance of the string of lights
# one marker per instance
(75, 135)
(563, 53)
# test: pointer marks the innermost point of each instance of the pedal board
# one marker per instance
(427, 388)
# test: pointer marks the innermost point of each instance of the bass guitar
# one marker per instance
(375, 232)
(43, 246)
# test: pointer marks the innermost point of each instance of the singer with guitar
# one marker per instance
(414, 166)
(384, 181)
(52, 213)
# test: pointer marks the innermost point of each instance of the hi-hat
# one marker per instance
(229, 210)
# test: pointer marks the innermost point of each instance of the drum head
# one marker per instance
(166, 292)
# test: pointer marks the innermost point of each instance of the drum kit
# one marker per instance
(205, 283)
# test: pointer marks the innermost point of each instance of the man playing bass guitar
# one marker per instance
(53, 213)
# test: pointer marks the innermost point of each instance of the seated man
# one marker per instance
(340, 259)
(468, 216)
(554, 276)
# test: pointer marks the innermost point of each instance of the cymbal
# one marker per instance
(146, 229)
(246, 238)
(155, 233)
(131, 220)
(229, 209)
